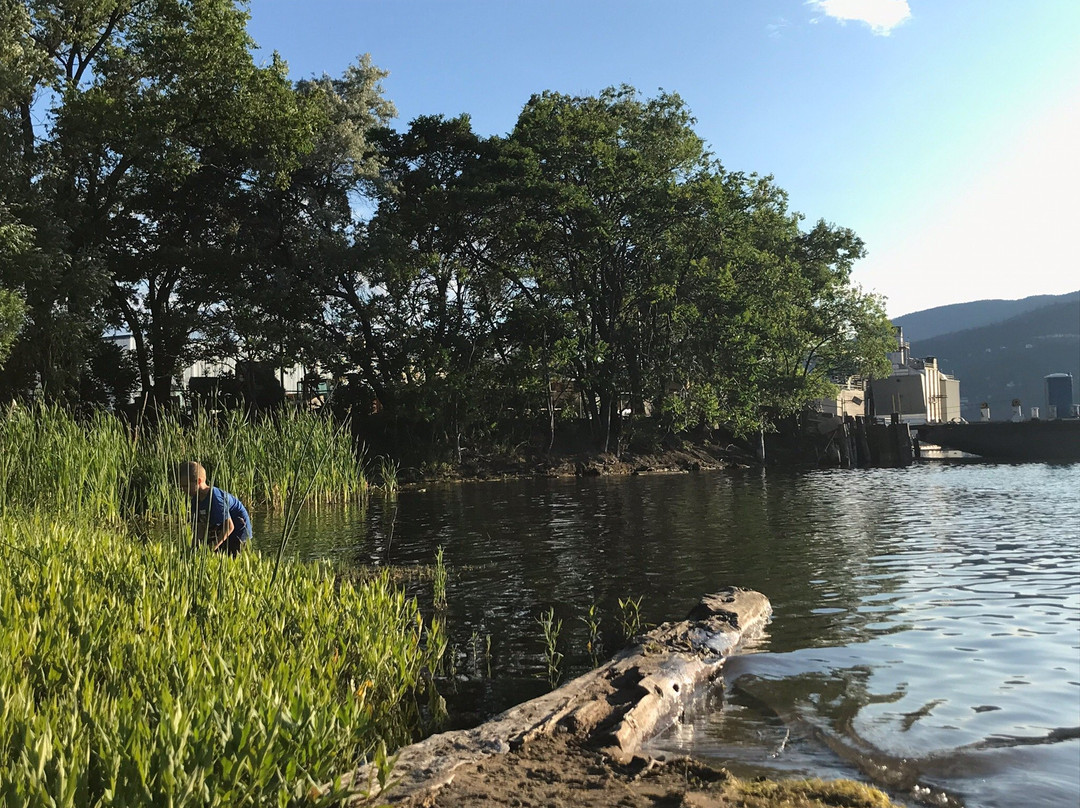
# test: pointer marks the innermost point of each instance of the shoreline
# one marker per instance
(691, 457)
(583, 742)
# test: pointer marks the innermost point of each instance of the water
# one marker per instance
(926, 633)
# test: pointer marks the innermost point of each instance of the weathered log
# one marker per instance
(616, 707)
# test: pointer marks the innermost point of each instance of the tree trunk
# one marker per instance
(551, 414)
(142, 359)
(27, 123)
(608, 407)
(165, 364)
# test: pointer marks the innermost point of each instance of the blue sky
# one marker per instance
(946, 133)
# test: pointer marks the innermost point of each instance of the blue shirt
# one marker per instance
(212, 510)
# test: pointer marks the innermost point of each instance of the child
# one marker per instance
(217, 517)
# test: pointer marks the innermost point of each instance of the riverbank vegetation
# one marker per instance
(592, 273)
(141, 672)
(102, 467)
(136, 675)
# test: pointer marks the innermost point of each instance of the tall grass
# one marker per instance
(388, 474)
(103, 469)
(630, 617)
(133, 676)
(551, 628)
(594, 645)
(272, 460)
(50, 461)
(438, 581)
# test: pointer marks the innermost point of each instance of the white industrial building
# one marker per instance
(916, 390)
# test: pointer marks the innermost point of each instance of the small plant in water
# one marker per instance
(594, 645)
(474, 652)
(551, 628)
(439, 580)
(388, 473)
(630, 617)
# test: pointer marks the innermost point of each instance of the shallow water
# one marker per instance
(926, 632)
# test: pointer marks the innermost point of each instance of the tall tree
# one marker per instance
(160, 131)
(659, 277)
(435, 299)
(604, 182)
(301, 236)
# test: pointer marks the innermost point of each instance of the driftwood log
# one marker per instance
(616, 707)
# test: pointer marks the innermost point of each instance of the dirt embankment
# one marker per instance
(688, 455)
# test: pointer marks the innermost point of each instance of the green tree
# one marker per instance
(437, 296)
(301, 236)
(803, 325)
(14, 241)
(45, 52)
(605, 183)
(12, 316)
(653, 275)
(186, 129)
(161, 136)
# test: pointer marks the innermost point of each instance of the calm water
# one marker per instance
(926, 632)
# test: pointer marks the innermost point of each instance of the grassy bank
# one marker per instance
(142, 677)
(138, 672)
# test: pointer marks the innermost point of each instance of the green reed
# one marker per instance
(438, 581)
(594, 643)
(144, 676)
(630, 617)
(551, 629)
(388, 474)
(283, 458)
(49, 460)
(147, 672)
(102, 469)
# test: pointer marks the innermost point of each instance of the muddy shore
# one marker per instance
(557, 772)
(582, 744)
(688, 456)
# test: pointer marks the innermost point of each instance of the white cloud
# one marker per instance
(881, 15)
(776, 29)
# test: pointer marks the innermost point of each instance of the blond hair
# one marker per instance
(192, 470)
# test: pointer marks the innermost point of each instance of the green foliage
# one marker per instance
(551, 629)
(607, 183)
(99, 469)
(594, 643)
(439, 580)
(598, 253)
(165, 186)
(144, 673)
(388, 474)
(137, 676)
(12, 316)
(630, 617)
(267, 460)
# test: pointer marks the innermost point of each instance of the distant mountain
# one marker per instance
(928, 323)
(1004, 360)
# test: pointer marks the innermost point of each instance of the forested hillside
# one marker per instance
(997, 363)
(930, 323)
